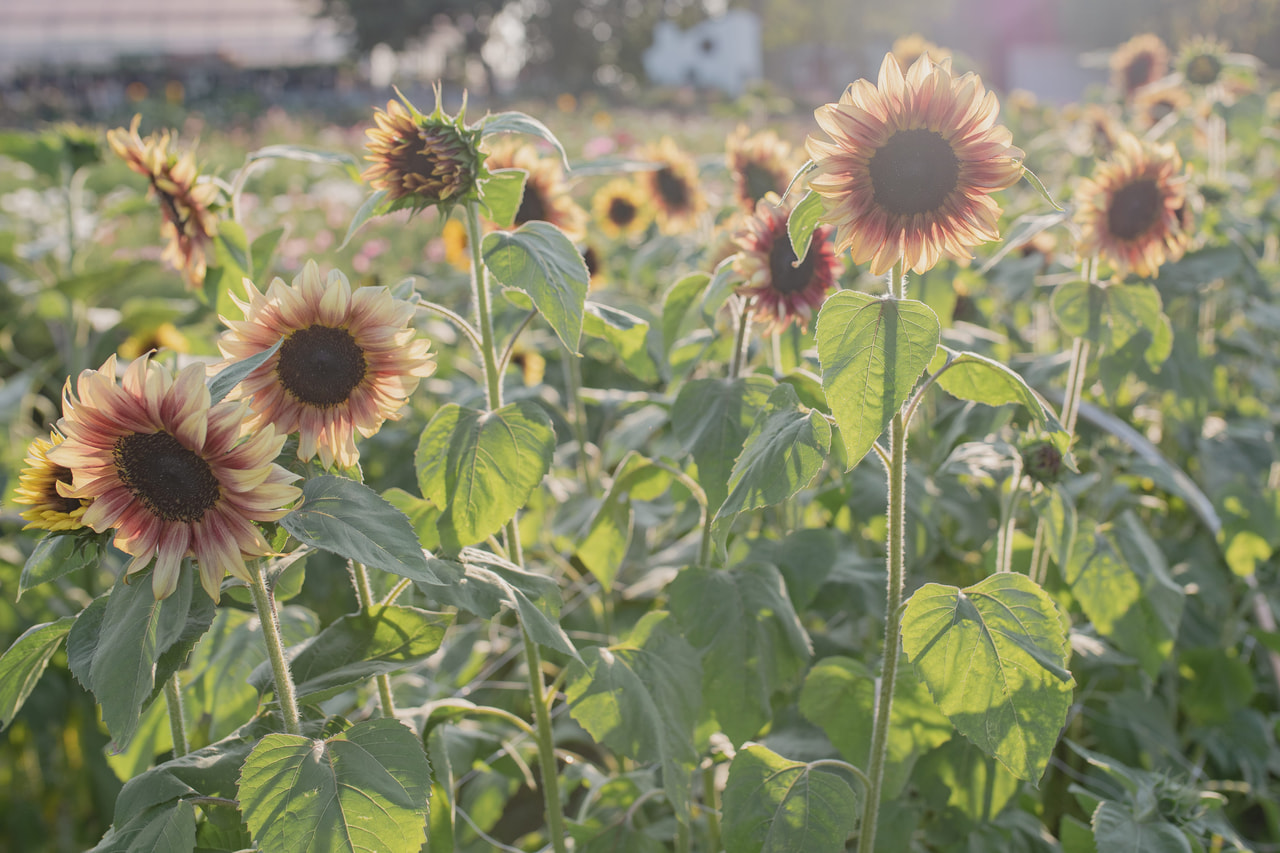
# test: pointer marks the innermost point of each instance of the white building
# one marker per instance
(721, 53)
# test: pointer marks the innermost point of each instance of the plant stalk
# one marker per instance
(712, 807)
(546, 743)
(484, 320)
(741, 341)
(364, 594)
(265, 604)
(177, 723)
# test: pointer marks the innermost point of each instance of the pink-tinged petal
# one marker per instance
(186, 407)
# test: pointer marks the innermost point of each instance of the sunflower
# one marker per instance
(38, 489)
(173, 475)
(457, 252)
(421, 160)
(163, 336)
(1206, 64)
(759, 163)
(1139, 62)
(673, 186)
(1155, 103)
(546, 197)
(621, 210)
(1133, 209)
(912, 164)
(783, 291)
(348, 361)
(190, 224)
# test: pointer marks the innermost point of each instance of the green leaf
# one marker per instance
(166, 828)
(872, 352)
(802, 222)
(724, 280)
(677, 307)
(367, 211)
(304, 154)
(1122, 583)
(774, 805)
(481, 467)
(501, 194)
(839, 696)
(712, 419)
(994, 657)
(518, 122)
(962, 777)
(116, 642)
(423, 515)
(57, 555)
(354, 648)
(364, 789)
(752, 643)
(1109, 315)
(628, 335)
(970, 376)
(482, 583)
(605, 544)
(263, 250)
(1055, 507)
(351, 520)
(540, 260)
(1116, 827)
(783, 453)
(24, 662)
(232, 375)
(640, 698)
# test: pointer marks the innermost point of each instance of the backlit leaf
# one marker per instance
(712, 419)
(540, 260)
(24, 662)
(774, 805)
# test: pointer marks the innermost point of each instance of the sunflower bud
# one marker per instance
(421, 160)
(1042, 461)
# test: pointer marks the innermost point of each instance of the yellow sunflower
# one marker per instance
(1133, 210)
(911, 166)
(621, 210)
(457, 252)
(1139, 62)
(672, 186)
(546, 196)
(38, 489)
(173, 475)
(781, 290)
(348, 362)
(760, 163)
(185, 204)
(164, 336)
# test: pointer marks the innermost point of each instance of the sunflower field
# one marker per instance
(895, 475)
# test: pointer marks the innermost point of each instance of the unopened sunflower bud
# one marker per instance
(1042, 461)
(424, 160)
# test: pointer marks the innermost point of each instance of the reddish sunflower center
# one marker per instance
(321, 365)
(914, 172)
(784, 275)
(532, 206)
(622, 212)
(61, 504)
(1134, 208)
(672, 188)
(174, 483)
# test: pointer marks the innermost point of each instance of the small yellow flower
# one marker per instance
(457, 252)
(673, 186)
(38, 488)
(163, 336)
(621, 209)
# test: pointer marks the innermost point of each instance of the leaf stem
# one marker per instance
(364, 594)
(1008, 518)
(711, 806)
(480, 292)
(741, 341)
(546, 742)
(265, 604)
(458, 320)
(177, 723)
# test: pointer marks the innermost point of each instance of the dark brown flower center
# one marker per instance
(57, 501)
(1138, 72)
(321, 365)
(1134, 208)
(914, 172)
(1203, 69)
(622, 212)
(532, 206)
(174, 483)
(784, 277)
(758, 180)
(672, 188)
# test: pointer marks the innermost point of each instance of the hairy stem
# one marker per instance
(364, 594)
(265, 604)
(546, 743)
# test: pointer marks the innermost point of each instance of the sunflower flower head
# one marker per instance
(1207, 66)
(38, 489)
(457, 251)
(348, 362)
(672, 185)
(422, 161)
(908, 172)
(783, 289)
(1133, 210)
(186, 204)
(1140, 61)
(759, 163)
(621, 209)
(173, 475)
(546, 194)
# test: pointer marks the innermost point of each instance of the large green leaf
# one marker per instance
(774, 805)
(355, 647)
(970, 376)
(501, 193)
(839, 696)
(752, 643)
(1122, 582)
(513, 121)
(872, 351)
(608, 536)
(353, 521)
(481, 467)
(712, 419)
(626, 333)
(784, 451)
(55, 556)
(1109, 315)
(802, 222)
(640, 698)
(994, 657)
(24, 662)
(483, 583)
(540, 260)
(678, 307)
(364, 789)
(1116, 827)
(116, 643)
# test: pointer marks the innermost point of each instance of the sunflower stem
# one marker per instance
(577, 410)
(711, 807)
(1008, 516)
(546, 743)
(364, 594)
(265, 604)
(1070, 411)
(480, 292)
(740, 343)
(177, 724)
